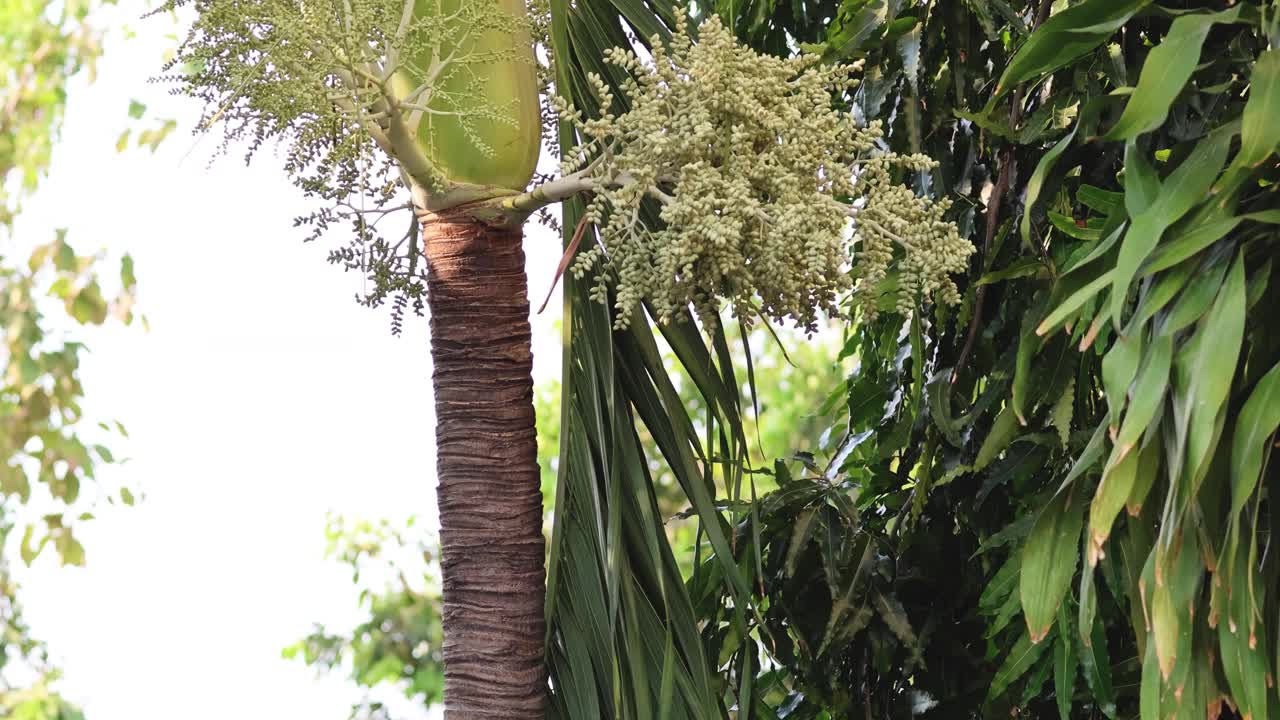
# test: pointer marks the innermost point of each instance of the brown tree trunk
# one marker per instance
(489, 494)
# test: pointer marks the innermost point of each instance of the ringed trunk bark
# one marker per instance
(489, 492)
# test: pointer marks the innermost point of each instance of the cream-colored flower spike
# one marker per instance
(756, 174)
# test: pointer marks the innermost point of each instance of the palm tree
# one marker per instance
(746, 206)
(447, 90)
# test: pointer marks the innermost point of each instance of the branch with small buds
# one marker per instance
(749, 167)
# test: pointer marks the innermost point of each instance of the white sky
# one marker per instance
(261, 398)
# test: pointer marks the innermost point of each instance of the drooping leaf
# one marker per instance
(1206, 366)
(1065, 661)
(1147, 394)
(1108, 499)
(1024, 654)
(1260, 133)
(1165, 72)
(1185, 187)
(1257, 421)
(1038, 177)
(1064, 37)
(1046, 570)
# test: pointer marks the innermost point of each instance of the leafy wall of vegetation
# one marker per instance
(1050, 499)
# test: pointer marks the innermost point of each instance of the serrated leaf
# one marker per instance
(1001, 586)
(895, 617)
(1046, 570)
(1063, 411)
(799, 539)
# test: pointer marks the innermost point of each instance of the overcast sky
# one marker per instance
(261, 397)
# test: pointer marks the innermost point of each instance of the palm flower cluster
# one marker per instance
(757, 179)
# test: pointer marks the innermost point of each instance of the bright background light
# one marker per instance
(262, 397)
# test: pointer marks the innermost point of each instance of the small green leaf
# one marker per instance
(136, 109)
(26, 550)
(1108, 499)
(1063, 410)
(1099, 200)
(1022, 267)
(70, 551)
(1036, 184)
(13, 481)
(1141, 183)
(1068, 226)
(127, 278)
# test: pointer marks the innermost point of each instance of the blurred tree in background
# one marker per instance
(397, 647)
(50, 452)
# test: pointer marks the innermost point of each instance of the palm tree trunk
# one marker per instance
(489, 494)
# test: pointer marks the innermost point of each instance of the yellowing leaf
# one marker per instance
(1112, 492)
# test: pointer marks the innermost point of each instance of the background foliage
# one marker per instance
(49, 451)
